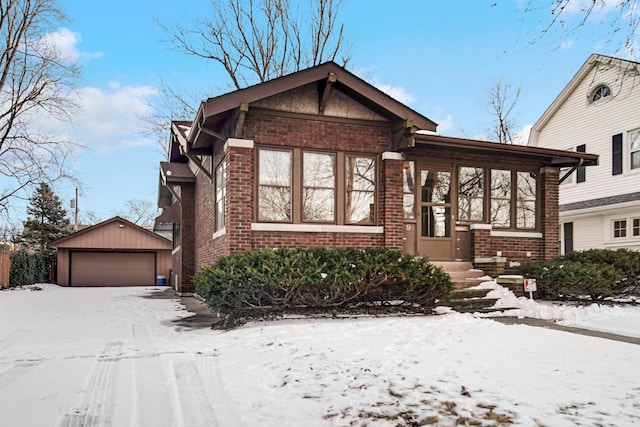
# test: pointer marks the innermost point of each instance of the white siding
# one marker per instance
(579, 121)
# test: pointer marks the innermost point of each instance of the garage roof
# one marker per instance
(114, 233)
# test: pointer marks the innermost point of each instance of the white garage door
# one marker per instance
(112, 269)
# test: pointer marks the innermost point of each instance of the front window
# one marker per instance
(221, 179)
(636, 227)
(501, 198)
(408, 189)
(526, 200)
(620, 228)
(470, 194)
(634, 148)
(318, 187)
(360, 187)
(274, 185)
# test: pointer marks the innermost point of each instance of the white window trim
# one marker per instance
(316, 228)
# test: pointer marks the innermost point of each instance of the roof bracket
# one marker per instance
(241, 113)
(326, 90)
(570, 171)
(198, 162)
(403, 136)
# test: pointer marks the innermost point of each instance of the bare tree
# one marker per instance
(569, 16)
(254, 41)
(140, 212)
(503, 99)
(35, 82)
(259, 40)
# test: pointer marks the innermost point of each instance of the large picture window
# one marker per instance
(221, 183)
(501, 198)
(470, 194)
(360, 188)
(526, 200)
(274, 185)
(318, 187)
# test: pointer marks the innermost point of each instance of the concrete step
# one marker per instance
(464, 293)
(465, 274)
(450, 266)
(471, 305)
(466, 283)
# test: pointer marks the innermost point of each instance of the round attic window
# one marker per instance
(601, 91)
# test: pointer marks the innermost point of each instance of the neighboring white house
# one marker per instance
(598, 112)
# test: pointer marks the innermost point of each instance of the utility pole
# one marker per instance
(76, 220)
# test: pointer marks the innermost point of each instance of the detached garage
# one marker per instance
(115, 252)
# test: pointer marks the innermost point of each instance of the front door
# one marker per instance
(436, 225)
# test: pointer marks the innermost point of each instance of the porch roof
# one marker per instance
(521, 153)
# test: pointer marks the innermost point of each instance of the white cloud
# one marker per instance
(107, 120)
(396, 92)
(566, 44)
(112, 119)
(602, 7)
(66, 41)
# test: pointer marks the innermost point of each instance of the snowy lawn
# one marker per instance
(98, 357)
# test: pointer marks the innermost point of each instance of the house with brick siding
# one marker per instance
(322, 158)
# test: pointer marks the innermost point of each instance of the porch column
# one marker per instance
(239, 203)
(550, 212)
(391, 200)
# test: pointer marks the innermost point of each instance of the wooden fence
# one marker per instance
(5, 267)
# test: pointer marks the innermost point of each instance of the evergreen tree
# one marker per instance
(46, 222)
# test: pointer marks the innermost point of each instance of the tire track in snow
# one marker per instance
(153, 402)
(18, 369)
(195, 406)
(96, 407)
(209, 369)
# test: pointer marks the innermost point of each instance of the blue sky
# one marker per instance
(438, 57)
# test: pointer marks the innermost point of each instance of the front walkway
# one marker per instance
(552, 325)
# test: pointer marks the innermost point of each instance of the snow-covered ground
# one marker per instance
(113, 356)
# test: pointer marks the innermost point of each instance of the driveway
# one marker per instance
(137, 357)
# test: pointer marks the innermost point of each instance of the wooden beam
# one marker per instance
(403, 135)
(242, 113)
(326, 90)
(196, 160)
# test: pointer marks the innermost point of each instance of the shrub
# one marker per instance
(565, 279)
(319, 279)
(27, 268)
(626, 260)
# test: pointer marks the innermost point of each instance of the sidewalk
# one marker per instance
(551, 325)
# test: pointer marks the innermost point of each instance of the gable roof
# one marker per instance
(214, 113)
(67, 241)
(593, 62)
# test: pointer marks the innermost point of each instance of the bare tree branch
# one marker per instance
(34, 81)
(502, 101)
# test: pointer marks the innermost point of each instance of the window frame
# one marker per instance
(619, 228)
(303, 187)
(598, 95)
(373, 192)
(297, 186)
(259, 185)
(482, 197)
(220, 196)
(635, 152)
(514, 207)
